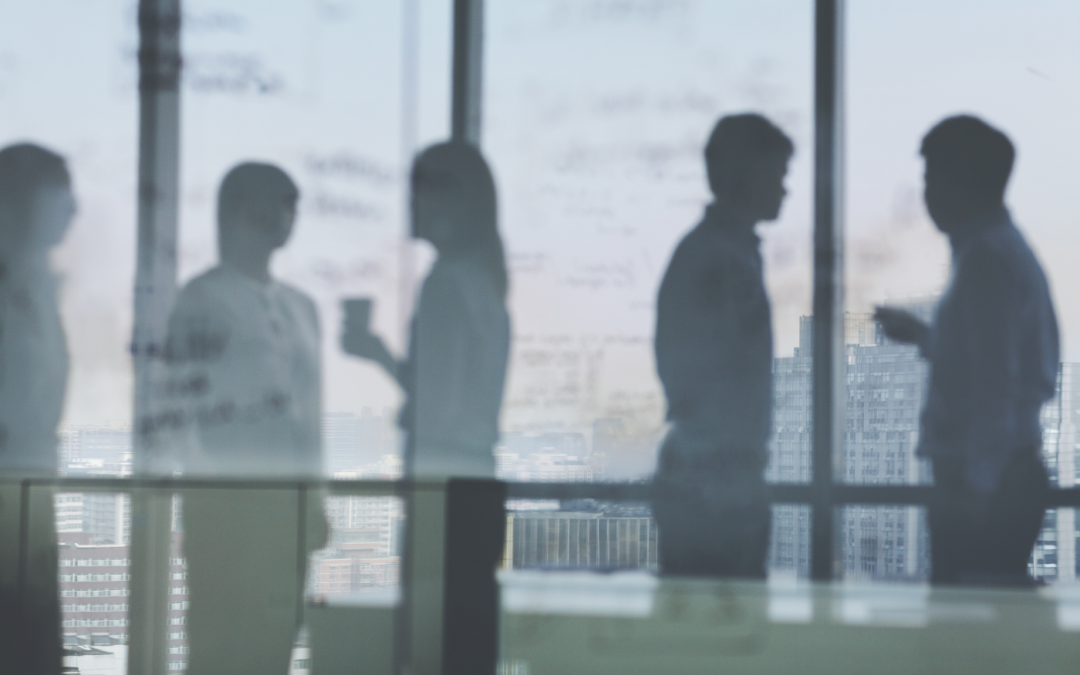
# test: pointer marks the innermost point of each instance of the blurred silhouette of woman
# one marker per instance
(453, 379)
(454, 374)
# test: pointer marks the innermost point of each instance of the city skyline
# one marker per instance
(885, 387)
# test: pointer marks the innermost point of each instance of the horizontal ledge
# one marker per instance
(613, 492)
(780, 493)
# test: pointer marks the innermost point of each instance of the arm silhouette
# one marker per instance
(366, 345)
(902, 326)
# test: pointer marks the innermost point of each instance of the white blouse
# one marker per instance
(456, 371)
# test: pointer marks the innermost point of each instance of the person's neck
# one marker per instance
(731, 217)
(252, 264)
(974, 222)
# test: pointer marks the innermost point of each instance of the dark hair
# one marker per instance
(975, 155)
(460, 166)
(24, 169)
(737, 140)
(252, 183)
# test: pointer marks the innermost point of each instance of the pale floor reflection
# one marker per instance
(635, 623)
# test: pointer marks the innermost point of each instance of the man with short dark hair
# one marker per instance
(246, 387)
(714, 357)
(993, 352)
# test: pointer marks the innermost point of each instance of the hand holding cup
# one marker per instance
(356, 336)
(901, 325)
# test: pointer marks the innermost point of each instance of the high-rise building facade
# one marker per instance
(1055, 556)
(105, 449)
(885, 386)
(580, 540)
(104, 516)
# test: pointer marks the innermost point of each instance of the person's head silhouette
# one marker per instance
(256, 212)
(746, 160)
(968, 163)
(36, 203)
(454, 206)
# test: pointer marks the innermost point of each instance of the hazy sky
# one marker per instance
(594, 118)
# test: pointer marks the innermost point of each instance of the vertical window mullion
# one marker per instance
(155, 288)
(828, 333)
(467, 71)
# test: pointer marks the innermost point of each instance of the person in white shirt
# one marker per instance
(993, 352)
(714, 357)
(36, 209)
(453, 379)
(243, 349)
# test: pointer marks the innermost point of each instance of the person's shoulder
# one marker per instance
(294, 293)
(296, 297)
(1003, 248)
(449, 279)
(1000, 258)
(699, 246)
(203, 290)
(699, 235)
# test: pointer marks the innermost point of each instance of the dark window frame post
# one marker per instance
(155, 289)
(828, 305)
(467, 74)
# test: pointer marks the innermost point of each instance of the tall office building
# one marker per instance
(789, 455)
(94, 592)
(105, 517)
(1055, 556)
(380, 516)
(362, 553)
(356, 560)
(98, 451)
(580, 540)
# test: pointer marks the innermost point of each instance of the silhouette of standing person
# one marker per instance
(453, 379)
(454, 374)
(714, 357)
(36, 209)
(244, 354)
(993, 352)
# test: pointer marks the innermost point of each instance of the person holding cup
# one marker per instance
(453, 380)
(455, 370)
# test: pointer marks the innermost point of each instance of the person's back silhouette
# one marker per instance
(244, 351)
(36, 208)
(993, 352)
(714, 358)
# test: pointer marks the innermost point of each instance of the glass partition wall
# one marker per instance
(593, 117)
